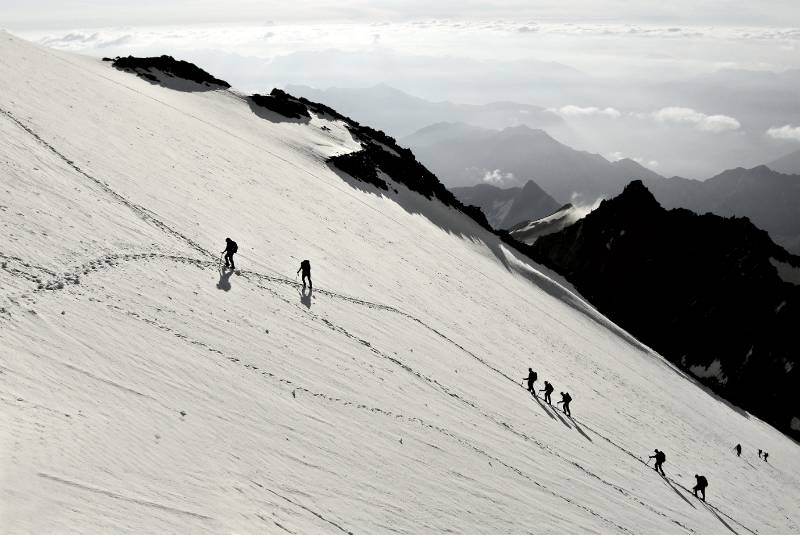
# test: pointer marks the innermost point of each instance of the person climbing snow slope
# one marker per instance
(531, 378)
(566, 399)
(548, 389)
(701, 485)
(230, 250)
(305, 267)
(660, 459)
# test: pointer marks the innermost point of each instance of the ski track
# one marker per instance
(112, 260)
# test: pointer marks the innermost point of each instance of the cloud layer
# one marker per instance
(571, 110)
(786, 132)
(701, 121)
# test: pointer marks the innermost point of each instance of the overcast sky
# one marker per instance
(39, 14)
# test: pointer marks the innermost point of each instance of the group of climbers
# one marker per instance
(699, 489)
(566, 399)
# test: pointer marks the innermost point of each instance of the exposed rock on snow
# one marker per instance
(165, 69)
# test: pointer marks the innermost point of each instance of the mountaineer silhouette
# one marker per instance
(548, 389)
(660, 459)
(566, 399)
(230, 250)
(531, 378)
(701, 485)
(305, 267)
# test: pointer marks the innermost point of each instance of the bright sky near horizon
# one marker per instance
(50, 14)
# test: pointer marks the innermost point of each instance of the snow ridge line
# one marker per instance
(140, 211)
(117, 496)
(408, 419)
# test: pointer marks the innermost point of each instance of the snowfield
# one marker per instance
(144, 392)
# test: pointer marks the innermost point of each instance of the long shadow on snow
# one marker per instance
(720, 518)
(224, 283)
(676, 491)
(446, 218)
(544, 407)
(563, 421)
(577, 428)
(305, 298)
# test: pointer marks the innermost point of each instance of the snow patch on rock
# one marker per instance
(713, 370)
(786, 272)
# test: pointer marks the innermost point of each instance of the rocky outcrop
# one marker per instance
(160, 69)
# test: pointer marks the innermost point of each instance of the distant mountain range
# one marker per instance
(507, 207)
(771, 200)
(714, 295)
(401, 114)
(789, 164)
(463, 155)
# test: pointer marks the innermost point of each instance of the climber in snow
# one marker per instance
(305, 267)
(701, 485)
(230, 249)
(566, 399)
(531, 378)
(548, 389)
(660, 459)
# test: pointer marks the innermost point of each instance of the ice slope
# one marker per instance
(143, 392)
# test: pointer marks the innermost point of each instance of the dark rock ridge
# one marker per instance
(506, 207)
(380, 153)
(703, 290)
(149, 68)
(279, 102)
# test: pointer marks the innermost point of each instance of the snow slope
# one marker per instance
(143, 392)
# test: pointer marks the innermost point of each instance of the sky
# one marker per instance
(613, 69)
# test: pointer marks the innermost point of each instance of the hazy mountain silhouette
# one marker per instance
(463, 156)
(401, 114)
(789, 164)
(505, 208)
(770, 199)
(707, 292)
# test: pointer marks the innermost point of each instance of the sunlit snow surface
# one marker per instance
(143, 392)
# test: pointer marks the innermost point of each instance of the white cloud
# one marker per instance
(701, 121)
(787, 132)
(571, 110)
(500, 179)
